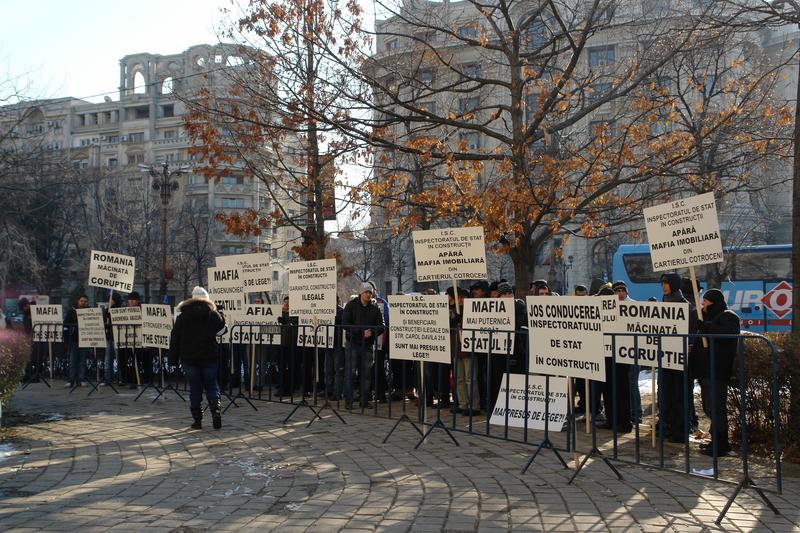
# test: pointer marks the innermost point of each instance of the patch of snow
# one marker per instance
(6, 451)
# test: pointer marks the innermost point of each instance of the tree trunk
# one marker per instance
(794, 393)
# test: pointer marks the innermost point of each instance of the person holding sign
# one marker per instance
(77, 356)
(363, 322)
(715, 375)
(193, 344)
(674, 396)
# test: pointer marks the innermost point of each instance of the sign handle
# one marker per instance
(455, 295)
(655, 407)
(697, 305)
(96, 365)
(252, 363)
(50, 356)
(135, 362)
(587, 406)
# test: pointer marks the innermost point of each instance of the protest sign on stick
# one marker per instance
(111, 271)
(255, 270)
(513, 386)
(312, 299)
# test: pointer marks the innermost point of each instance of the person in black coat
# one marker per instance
(715, 375)
(193, 343)
(362, 321)
(672, 412)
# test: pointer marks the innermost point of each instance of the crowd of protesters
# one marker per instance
(359, 370)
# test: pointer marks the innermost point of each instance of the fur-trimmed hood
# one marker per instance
(199, 301)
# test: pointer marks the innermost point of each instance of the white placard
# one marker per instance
(91, 330)
(225, 288)
(419, 328)
(312, 299)
(609, 311)
(127, 323)
(49, 319)
(658, 318)
(255, 270)
(111, 271)
(534, 412)
(684, 233)
(451, 253)
(257, 324)
(566, 336)
(482, 315)
(156, 325)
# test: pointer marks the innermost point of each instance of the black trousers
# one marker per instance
(715, 398)
(617, 388)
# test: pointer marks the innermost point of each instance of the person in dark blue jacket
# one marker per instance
(193, 344)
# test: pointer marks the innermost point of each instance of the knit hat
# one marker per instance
(135, 296)
(619, 284)
(503, 288)
(200, 293)
(482, 285)
(714, 296)
(367, 287)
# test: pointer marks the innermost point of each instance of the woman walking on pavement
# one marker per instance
(193, 344)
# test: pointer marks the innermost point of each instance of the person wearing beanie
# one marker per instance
(675, 397)
(581, 290)
(362, 322)
(715, 375)
(193, 344)
(504, 289)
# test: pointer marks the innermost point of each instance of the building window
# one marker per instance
(112, 139)
(468, 32)
(230, 249)
(275, 274)
(600, 56)
(112, 163)
(136, 137)
(391, 44)
(231, 180)
(135, 159)
(468, 105)
(471, 70)
(273, 254)
(166, 85)
(426, 77)
(430, 107)
(470, 141)
(598, 91)
(232, 203)
(168, 110)
(169, 134)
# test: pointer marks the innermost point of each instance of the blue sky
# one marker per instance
(73, 48)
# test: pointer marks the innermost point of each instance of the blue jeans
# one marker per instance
(77, 363)
(357, 356)
(201, 378)
(334, 370)
(108, 362)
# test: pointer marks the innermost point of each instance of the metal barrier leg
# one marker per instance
(595, 452)
(746, 483)
(546, 443)
(437, 424)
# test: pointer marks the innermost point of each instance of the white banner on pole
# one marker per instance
(684, 233)
(111, 271)
(49, 319)
(127, 322)
(656, 318)
(482, 315)
(156, 325)
(312, 299)
(450, 253)
(419, 328)
(91, 330)
(257, 324)
(566, 336)
(255, 270)
(535, 410)
(225, 288)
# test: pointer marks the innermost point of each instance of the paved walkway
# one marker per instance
(106, 463)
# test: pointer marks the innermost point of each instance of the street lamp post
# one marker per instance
(165, 185)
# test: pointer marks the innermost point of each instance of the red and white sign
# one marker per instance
(779, 299)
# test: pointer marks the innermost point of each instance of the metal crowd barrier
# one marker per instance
(330, 373)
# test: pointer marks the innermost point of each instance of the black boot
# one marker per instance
(197, 414)
(215, 406)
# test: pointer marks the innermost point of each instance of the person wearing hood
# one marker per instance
(715, 373)
(672, 411)
(193, 344)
